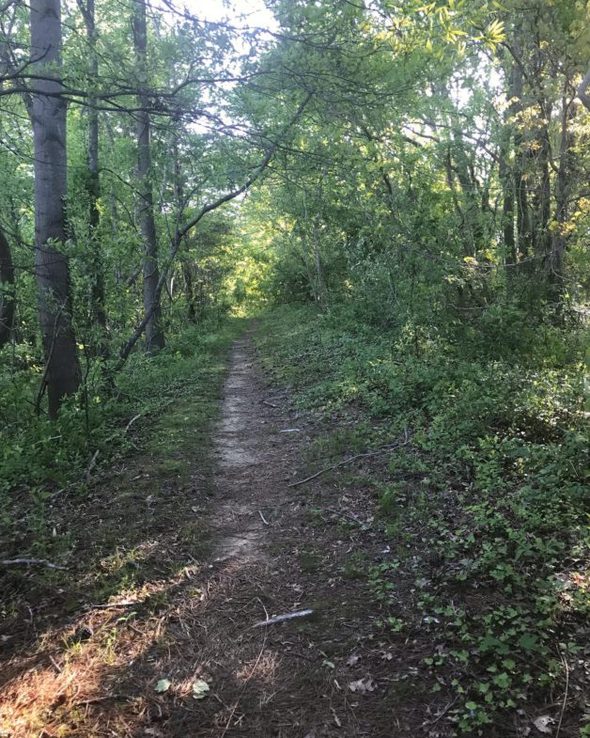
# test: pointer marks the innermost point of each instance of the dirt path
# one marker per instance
(208, 562)
(245, 481)
(275, 553)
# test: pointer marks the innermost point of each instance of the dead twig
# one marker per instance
(270, 404)
(111, 605)
(92, 464)
(244, 685)
(32, 562)
(56, 666)
(349, 461)
(441, 715)
(565, 695)
(130, 423)
(264, 520)
(283, 618)
(98, 700)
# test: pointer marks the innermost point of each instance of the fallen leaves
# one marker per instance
(363, 686)
(543, 724)
(162, 686)
(200, 689)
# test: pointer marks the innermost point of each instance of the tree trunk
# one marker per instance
(542, 196)
(554, 264)
(48, 111)
(154, 335)
(97, 310)
(523, 217)
(7, 301)
(507, 181)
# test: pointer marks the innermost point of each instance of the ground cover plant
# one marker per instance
(485, 508)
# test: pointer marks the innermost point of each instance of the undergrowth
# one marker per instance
(491, 495)
(41, 459)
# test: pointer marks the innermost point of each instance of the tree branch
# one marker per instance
(582, 90)
(182, 231)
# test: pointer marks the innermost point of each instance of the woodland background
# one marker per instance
(408, 181)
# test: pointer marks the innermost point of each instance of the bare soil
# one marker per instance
(193, 563)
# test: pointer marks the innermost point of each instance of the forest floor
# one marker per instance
(182, 550)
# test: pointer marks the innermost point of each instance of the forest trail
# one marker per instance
(245, 482)
(178, 653)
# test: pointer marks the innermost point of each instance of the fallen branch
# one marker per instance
(349, 461)
(282, 618)
(565, 694)
(31, 562)
(441, 715)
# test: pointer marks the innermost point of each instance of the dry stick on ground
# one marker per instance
(264, 520)
(31, 562)
(244, 685)
(98, 700)
(348, 461)
(283, 618)
(92, 464)
(565, 695)
(112, 605)
(130, 423)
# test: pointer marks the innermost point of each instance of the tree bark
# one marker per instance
(7, 301)
(154, 334)
(523, 219)
(542, 194)
(97, 309)
(48, 112)
(554, 264)
(507, 179)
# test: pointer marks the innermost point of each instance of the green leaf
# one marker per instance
(528, 641)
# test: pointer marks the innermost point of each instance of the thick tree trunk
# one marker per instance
(48, 111)
(154, 335)
(7, 301)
